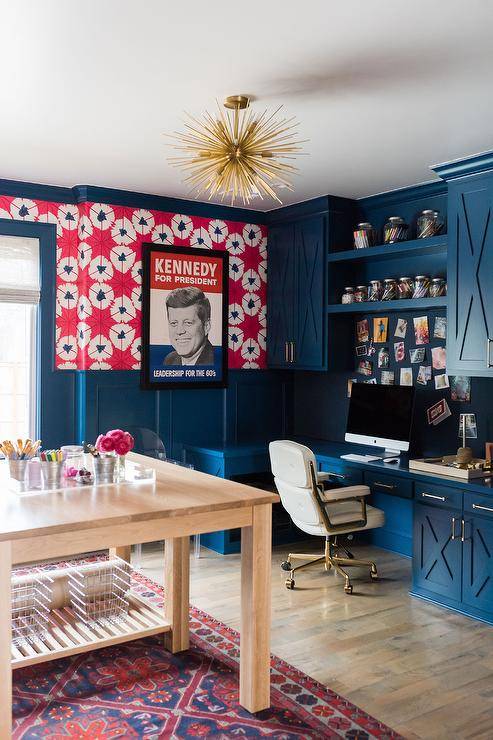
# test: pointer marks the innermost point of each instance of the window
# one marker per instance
(19, 299)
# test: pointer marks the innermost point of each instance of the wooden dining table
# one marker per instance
(180, 502)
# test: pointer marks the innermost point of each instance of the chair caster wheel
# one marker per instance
(289, 583)
(286, 565)
(348, 589)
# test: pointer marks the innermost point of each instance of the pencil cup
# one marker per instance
(104, 469)
(17, 469)
(51, 473)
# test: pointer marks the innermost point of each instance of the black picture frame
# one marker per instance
(146, 383)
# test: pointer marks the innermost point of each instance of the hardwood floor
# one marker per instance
(425, 671)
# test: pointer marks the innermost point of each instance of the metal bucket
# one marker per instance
(104, 469)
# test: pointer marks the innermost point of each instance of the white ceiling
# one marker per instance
(382, 89)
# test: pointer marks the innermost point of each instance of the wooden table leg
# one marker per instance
(5, 642)
(255, 610)
(177, 593)
(122, 552)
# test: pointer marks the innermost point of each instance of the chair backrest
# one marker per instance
(290, 463)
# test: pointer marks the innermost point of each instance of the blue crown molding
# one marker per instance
(36, 191)
(403, 195)
(466, 166)
(131, 199)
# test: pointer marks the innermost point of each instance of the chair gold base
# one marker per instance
(330, 561)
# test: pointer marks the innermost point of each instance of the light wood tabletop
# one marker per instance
(179, 503)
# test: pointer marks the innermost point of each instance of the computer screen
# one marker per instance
(380, 415)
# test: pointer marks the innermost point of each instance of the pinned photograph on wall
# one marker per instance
(383, 358)
(421, 333)
(350, 385)
(439, 358)
(387, 377)
(399, 351)
(441, 381)
(406, 376)
(184, 317)
(365, 367)
(460, 388)
(371, 348)
(424, 374)
(417, 355)
(380, 327)
(401, 328)
(438, 412)
(469, 421)
(361, 350)
(362, 331)
(440, 327)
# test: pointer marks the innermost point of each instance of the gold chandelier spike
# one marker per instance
(237, 154)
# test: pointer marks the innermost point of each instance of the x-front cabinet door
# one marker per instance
(470, 276)
(281, 297)
(437, 557)
(477, 579)
(310, 337)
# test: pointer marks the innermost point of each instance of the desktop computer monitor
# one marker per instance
(380, 415)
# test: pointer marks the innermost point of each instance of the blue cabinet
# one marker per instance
(470, 276)
(437, 551)
(296, 294)
(477, 581)
(281, 297)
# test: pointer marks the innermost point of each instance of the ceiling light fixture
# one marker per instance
(238, 154)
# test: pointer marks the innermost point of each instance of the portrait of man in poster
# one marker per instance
(189, 322)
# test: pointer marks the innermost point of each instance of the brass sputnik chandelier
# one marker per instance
(238, 154)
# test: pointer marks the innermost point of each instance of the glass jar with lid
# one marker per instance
(428, 223)
(361, 294)
(438, 287)
(375, 290)
(389, 290)
(405, 287)
(348, 295)
(395, 230)
(421, 286)
(364, 235)
(74, 459)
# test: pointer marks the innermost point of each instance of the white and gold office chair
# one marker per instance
(326, 513)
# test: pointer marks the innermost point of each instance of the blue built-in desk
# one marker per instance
(443, 523)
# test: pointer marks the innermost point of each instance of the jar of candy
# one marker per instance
(405, 287)
(73, 456)
(421, 286)
(429, 223)
(361, 294)
(375, 290)
(389, 290)
(438, 287)
(348, 295)
(364, 235)
(395, 230)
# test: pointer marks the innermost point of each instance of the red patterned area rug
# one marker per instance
(139, 690)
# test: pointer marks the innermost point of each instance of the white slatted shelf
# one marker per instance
(68, 635)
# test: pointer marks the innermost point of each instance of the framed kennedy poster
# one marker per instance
(184, 315)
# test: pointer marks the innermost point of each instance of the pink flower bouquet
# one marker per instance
(116, 440)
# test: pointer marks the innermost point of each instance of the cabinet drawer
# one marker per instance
(394, 486)
(442, 496)
(475, 503)
(343, 474)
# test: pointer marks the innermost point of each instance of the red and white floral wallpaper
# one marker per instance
(99, 278)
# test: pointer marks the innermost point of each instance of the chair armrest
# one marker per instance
(342, 494)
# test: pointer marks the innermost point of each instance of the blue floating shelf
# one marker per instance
(432, 245)
(411, 304)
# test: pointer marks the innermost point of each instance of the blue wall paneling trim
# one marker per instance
(472, 165)
(37, 191)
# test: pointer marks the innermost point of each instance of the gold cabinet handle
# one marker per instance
(286, 355)
(453, 529)
(383, 485)
(292, 351)
(462, 530)
(431, 495)
(489, 363)
(482, 508)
